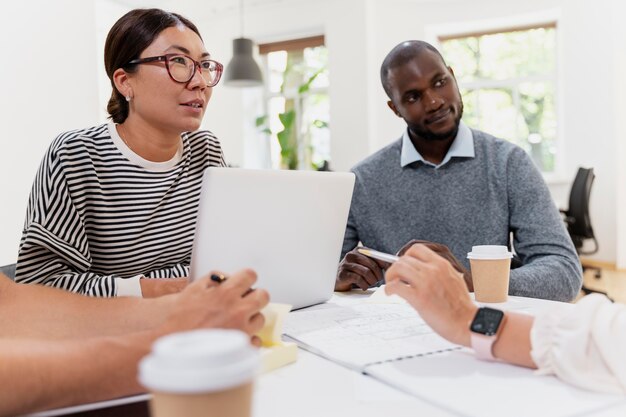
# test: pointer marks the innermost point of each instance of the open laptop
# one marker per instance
(286, 225)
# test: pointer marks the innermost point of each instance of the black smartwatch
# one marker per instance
(484, 331)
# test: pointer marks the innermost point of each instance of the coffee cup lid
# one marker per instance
(489, 252)
(199, 361)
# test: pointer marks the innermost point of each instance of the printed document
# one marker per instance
(364, 334)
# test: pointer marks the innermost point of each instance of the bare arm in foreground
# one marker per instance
(50, 313)
(42, 374)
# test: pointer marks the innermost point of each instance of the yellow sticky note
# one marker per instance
(279, 355)
(271, 332)
(274, 352)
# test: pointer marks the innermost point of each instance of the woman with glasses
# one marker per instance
(112, 209)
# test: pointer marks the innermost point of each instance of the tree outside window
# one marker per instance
(297, 105)
(507, 81)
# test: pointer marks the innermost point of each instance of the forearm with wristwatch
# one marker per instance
(484, 331)
(495, 334)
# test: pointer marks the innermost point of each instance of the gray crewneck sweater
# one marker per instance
(465, 202)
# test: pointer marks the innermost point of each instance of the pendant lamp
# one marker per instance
(242, 70)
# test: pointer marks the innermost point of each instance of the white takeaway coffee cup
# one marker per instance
(206, 373)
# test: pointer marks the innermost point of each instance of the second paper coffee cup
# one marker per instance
(491, 266)
(206, 373)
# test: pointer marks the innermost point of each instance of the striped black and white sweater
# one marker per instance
(98, 214)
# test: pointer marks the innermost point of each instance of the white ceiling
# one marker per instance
(207, 8)
(198, 9)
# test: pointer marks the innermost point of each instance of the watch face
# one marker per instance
(487, 321)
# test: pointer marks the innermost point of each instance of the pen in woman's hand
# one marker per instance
(220, 278)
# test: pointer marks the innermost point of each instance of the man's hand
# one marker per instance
(435, 289)
(230, 305)
(360, 270)
(156, 287)
(444, 252)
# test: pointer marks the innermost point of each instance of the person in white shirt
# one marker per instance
(583, 344)
(59, 349)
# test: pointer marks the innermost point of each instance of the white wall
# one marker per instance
(40, 97)
(359, 33)
(617, 13)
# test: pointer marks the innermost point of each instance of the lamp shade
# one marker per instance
(242, 70)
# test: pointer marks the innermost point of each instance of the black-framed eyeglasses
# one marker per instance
(182, 68)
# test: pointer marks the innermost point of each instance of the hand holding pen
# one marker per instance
(381, 256)
(359, 269)
(220, 278)
(445, 252)
(364, 267)
(229, 305)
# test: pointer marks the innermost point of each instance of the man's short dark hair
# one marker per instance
(400, 55)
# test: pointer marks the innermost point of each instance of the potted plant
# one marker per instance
(294, 138)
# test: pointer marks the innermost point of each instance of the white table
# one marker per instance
(310, 387)
(314, 386)
(317, 387)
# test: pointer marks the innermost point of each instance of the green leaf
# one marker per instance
(283, 140)
(307, 85)
(261, 120)
(320, 124)
(287, 118)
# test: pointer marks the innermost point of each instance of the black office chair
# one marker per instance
(577, 218)
(8, 270)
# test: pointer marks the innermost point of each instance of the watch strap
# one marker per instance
(483, 346)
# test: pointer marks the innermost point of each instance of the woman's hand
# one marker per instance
(435, 289)
(229, 305)
(443, 251)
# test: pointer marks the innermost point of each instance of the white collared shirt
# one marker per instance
(462, 146)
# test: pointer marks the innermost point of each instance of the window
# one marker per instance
(507, 80)
(297, 105)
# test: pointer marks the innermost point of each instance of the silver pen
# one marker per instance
(381, 256)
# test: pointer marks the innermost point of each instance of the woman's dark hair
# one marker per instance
(128, 37)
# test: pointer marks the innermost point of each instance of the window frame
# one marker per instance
(292, 93)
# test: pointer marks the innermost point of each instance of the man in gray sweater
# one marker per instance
(444, 182)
